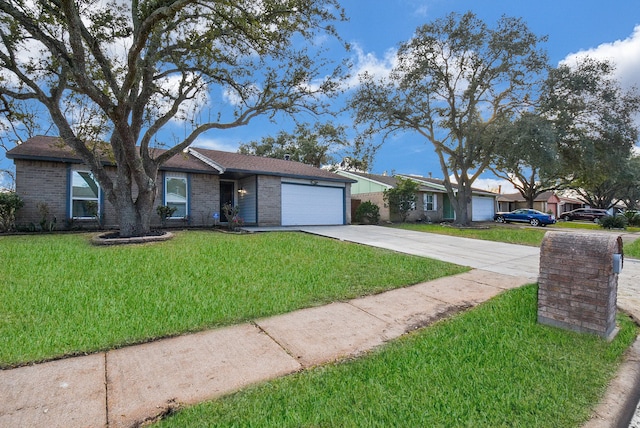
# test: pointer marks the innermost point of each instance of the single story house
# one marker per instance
(433, 204)
(198, 182)
(547, 202)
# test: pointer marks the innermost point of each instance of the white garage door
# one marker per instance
(483, 208)
(312, 205)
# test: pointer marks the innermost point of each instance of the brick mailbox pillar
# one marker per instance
(578, 283)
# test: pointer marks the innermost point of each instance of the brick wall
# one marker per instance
(40, 182)
(577, 285)
(418, 214)
(269, 201)
(204, 198)
(34, 189)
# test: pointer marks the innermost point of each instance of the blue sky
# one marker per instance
(376, 27)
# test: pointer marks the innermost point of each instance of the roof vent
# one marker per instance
(287, 156)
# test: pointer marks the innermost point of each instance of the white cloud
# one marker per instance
(6, 183)
(622, 53)
(370, 63)
(216, 144)
(496, 185)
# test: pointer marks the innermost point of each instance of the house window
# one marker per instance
(85, 195)
(175, 194)
(429, 202)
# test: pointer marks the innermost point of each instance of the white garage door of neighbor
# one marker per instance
(483, 208)
(312, 205)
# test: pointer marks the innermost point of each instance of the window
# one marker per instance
(429, 202)
(175, 194)
(85, 195)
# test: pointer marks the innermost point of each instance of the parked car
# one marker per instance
(589, 214)
(525, 215)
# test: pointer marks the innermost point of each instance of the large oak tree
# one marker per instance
(453, 80)
(526, 155)
(593, 117)
(122, 72)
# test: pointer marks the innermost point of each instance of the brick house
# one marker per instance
(267, 191)
(432, 205)
(547, 202)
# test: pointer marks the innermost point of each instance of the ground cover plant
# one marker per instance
(488, 367)
(62, 296)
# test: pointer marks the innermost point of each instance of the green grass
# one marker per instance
(633, 249)
(493, 366)
(514, 234)
(62, 296)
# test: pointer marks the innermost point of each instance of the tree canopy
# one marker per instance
(453, 80)
(313, 146)
(594, 121)
(526, 155)
(125, 72)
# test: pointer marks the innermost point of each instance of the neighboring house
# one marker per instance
(432, 205)
(547, 202)
(268, 192)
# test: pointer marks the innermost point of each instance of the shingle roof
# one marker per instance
(383, 179)
(517, 197)
(239, 163)
(53, 149)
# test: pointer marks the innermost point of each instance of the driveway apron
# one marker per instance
(497, 257)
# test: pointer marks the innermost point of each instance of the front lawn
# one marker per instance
(62, 296)
(492, 366)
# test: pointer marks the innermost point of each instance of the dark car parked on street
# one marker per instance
(589, 214)
(525, 215)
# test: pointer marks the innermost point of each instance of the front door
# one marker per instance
(226, 196)
(448, 212)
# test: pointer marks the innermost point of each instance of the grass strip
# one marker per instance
(62, 296)
(511, 235)
(515, 235)
(492, 366)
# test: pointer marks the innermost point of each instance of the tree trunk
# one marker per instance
(133, 202)
(134, 216)
(461, 202)
(461, 206)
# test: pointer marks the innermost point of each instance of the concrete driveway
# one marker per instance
(508, 259)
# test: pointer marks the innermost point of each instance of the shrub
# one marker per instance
(232, 214)
(402, 198)
(165, 211)
(633, 218)
(367, 212)
(10, 202)
(613, 222)
(45, 224)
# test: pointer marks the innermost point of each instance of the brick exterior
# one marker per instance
(40, 181)
(418, 214)
(577, 285)
(34, 190)
(269, 200)
(204, 199)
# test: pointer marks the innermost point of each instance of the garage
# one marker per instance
(483, 208)
(312, 205)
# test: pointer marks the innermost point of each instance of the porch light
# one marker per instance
(242, 191)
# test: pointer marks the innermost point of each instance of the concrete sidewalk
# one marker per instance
(124, 387)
